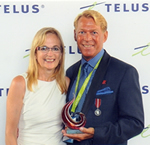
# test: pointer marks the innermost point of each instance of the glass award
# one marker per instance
(73, 121)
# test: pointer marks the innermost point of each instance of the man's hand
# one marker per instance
(87, 133)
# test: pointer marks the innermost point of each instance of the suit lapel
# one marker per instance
(99, 76)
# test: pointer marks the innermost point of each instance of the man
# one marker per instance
(111, 100)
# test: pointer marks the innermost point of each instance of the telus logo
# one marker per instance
(18, 9)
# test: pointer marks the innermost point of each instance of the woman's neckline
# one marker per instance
(46, 81)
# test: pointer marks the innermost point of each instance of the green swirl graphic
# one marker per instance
(94, 4)
(26, 56)
(142, 51)
(145, 130)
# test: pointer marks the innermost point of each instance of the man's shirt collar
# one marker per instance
(92, 62)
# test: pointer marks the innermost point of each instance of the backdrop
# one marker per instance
(128, 40)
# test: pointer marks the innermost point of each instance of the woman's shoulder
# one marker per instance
(18, 80)
(17, 87)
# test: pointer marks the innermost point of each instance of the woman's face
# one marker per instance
(49, 54)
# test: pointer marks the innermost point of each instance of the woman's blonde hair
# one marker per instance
(96, 16)
(32, 73)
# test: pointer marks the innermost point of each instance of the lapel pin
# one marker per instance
(104, 82)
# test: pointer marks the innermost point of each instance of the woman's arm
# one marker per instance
(13, 109)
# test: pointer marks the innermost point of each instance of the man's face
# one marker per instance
(89, 37)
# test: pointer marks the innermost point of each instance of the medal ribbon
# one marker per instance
(81, 91)
(97, 103)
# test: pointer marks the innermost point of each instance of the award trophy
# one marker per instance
(70, 121)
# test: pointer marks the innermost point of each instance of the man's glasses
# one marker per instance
(46, 49)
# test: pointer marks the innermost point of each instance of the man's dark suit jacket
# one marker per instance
(122, 114)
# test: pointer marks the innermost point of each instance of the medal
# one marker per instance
(97, 112)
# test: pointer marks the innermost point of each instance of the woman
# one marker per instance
(35, 98)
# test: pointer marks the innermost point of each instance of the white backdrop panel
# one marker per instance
(129, 40)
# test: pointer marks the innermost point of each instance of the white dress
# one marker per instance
(40, 121)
